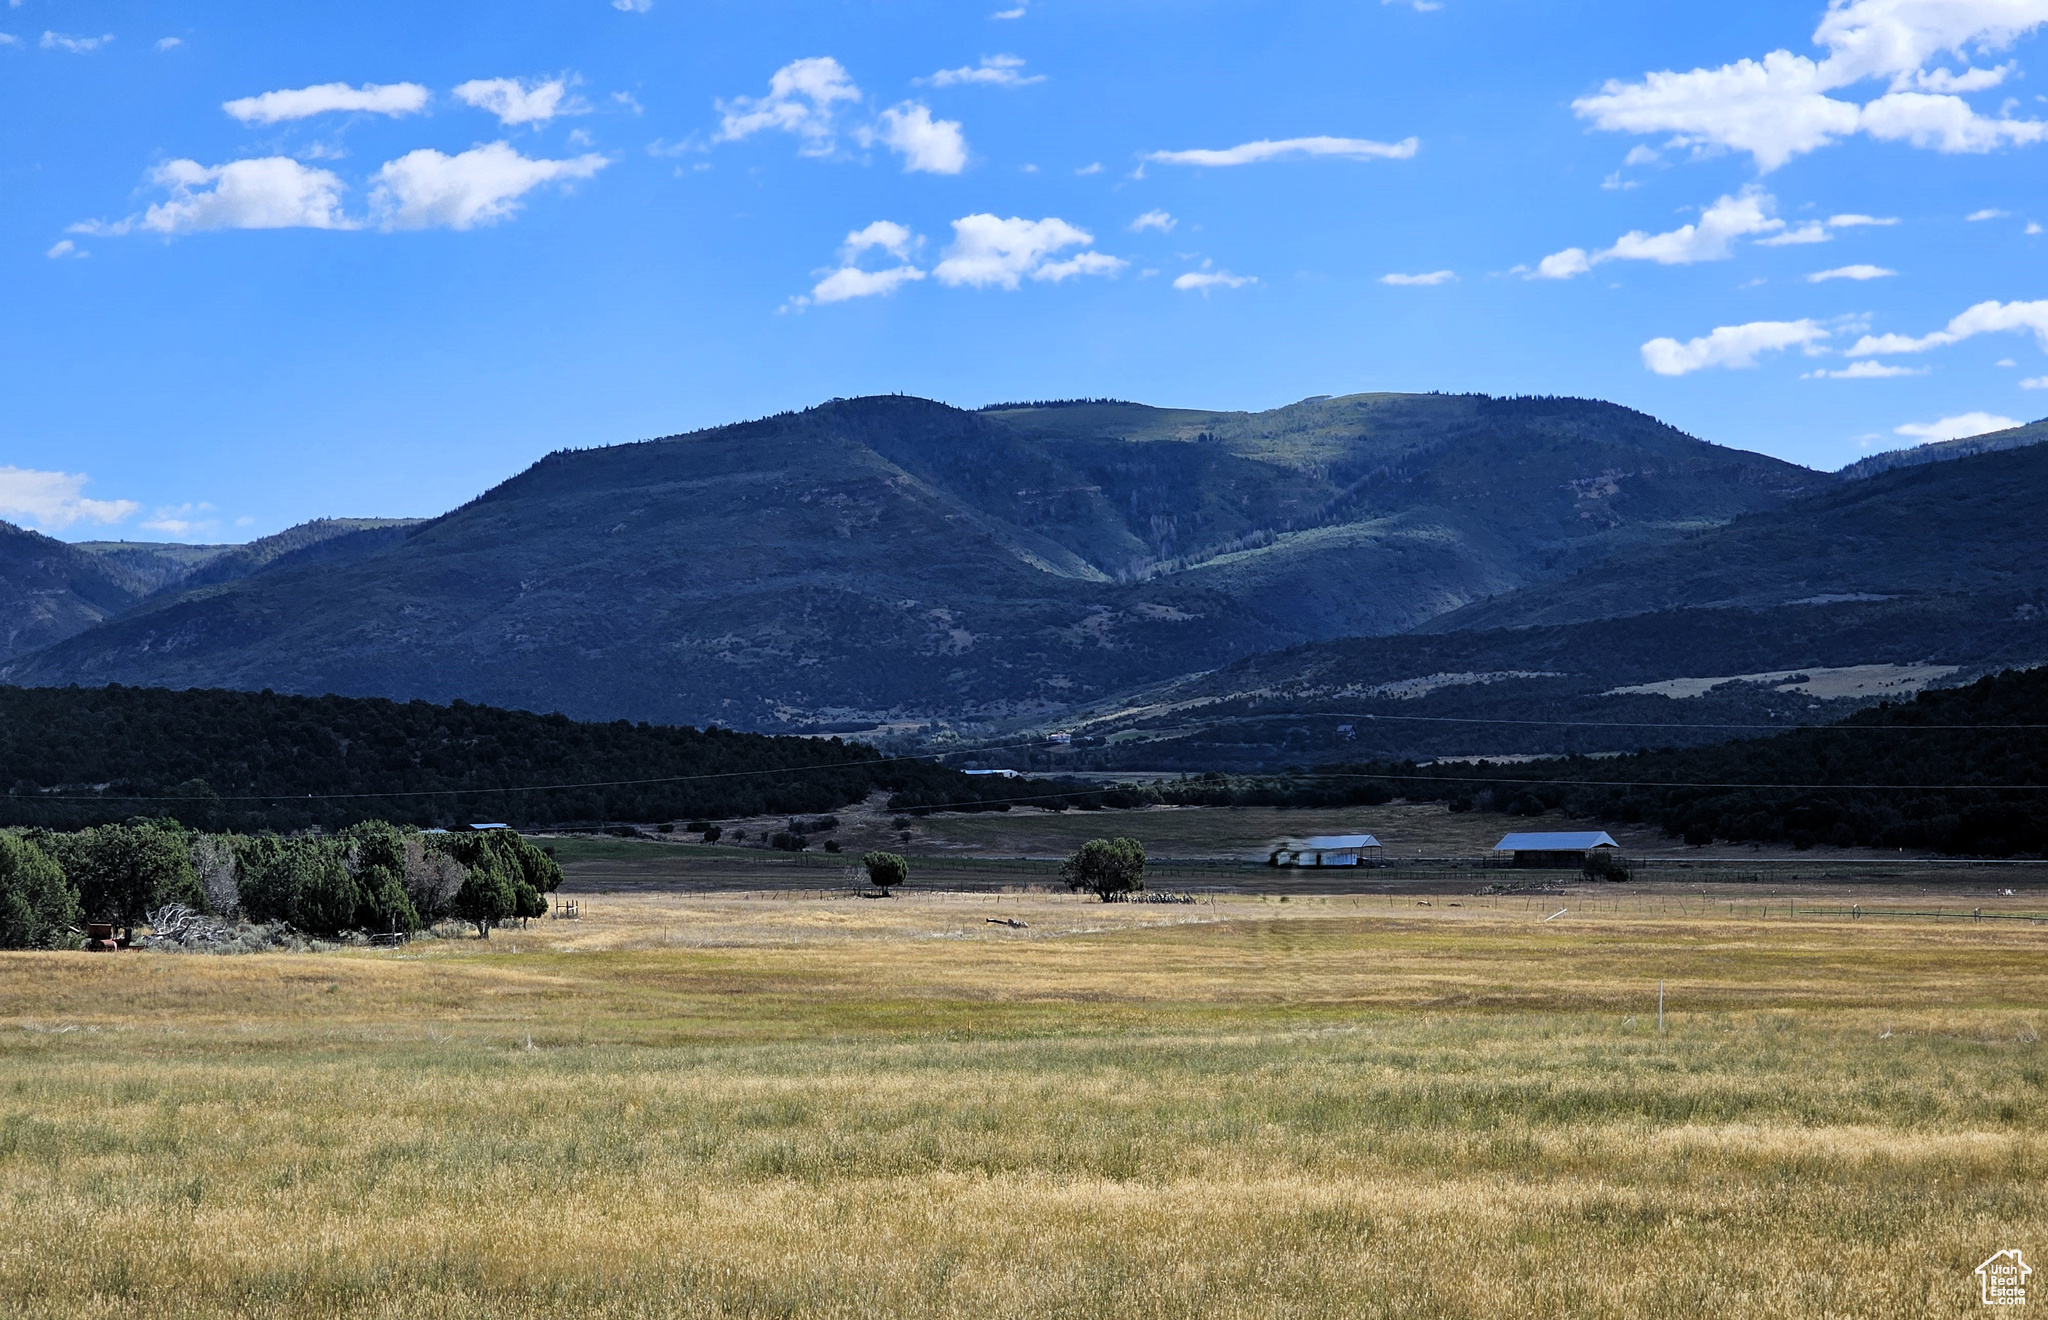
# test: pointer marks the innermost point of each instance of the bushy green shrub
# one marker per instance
(38, 907)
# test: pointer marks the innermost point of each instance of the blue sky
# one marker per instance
(264, 263)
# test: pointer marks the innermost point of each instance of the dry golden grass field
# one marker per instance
(797, 1103)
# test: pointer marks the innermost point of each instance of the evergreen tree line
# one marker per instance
(373, 876)
(253, 761)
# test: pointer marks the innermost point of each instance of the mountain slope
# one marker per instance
(166, 566)
(1941, 451)
(50, 590)
(896, 559)
(1968, 526)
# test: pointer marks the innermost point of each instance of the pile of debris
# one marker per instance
(1161, 896)
(1530, 887)
(176, 926)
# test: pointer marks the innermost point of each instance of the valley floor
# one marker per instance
(794, 1102)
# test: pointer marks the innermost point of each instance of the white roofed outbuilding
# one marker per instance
(1326, 850)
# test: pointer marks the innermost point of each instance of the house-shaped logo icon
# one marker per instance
(2002, 1280)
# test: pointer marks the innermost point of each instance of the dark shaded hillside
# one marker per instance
(1545, 690)
(1968, 526)
(1960, 771)
(256, 760)
(896, 559)
(50, 590)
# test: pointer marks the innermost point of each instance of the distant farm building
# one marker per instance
(1002, 774)
(1553, 850)
(1327, 850)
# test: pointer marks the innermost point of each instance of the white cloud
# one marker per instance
(990, 251)
(1813, 231)
(2033, 227)
(1204, 280)
(1730, 346)
(1855, 221)
(890, 237)
(2035, 383)
(169, 43)
(49, 501)
(1093, 167)
(424, 189)
(1956, 428)
(803, 97)
(1865, 370)
(993, 71)
(1018, 12)
(515, 102)
(1780, 106)
(63, 248)
(1433, 277)
(852, 282)
(1712, 239)
(76, 45)
(1419, 6)
(392, 99)
(632, 6)
(1988, 213)
(1982, 319)
(1251, 153)
(1850, 273)
(927, 145)
(1158, 220)
(273, 192)
(182, 519)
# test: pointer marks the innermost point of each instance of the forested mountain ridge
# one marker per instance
(897, 559)
(50, 590)
(1970, 525)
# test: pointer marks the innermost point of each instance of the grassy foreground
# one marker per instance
(744, 1106)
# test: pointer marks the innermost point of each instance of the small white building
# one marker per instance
(1327, 850)
(1000, 774)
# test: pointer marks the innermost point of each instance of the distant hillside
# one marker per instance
(1957, 771)
(50, 590)
(163, 566)
(1941, 451)
(892, 559)
(1971, 526)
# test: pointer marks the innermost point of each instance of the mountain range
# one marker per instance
(891, 564)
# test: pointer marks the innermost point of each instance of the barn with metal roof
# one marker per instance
(1554, 850)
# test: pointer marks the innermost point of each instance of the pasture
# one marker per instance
(792, 1102)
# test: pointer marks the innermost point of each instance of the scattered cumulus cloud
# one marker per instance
(1432, 278)
(990, 252)
(803, 99)
(2033, 227)
(1988, 213)
(169, 43)
(425, 189)
(76, 45)
(1419, 6)
(51, 501)
(1956, 428)
(1860, 272)
(1982, 319)
(515, 102)
(1093, 167)
(632, 6)
(63, 248)
(271, 192)
(1865, 370)
(1745, 214)
(1252, 153)
(2035, 383)
(182, 520)
(1731, 346)
(394, 99)
(1202, 281)
(993, 71)
(927, 145)
(1017, 12)
(1158, 220)
(1856, 221)
(1782, 105)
